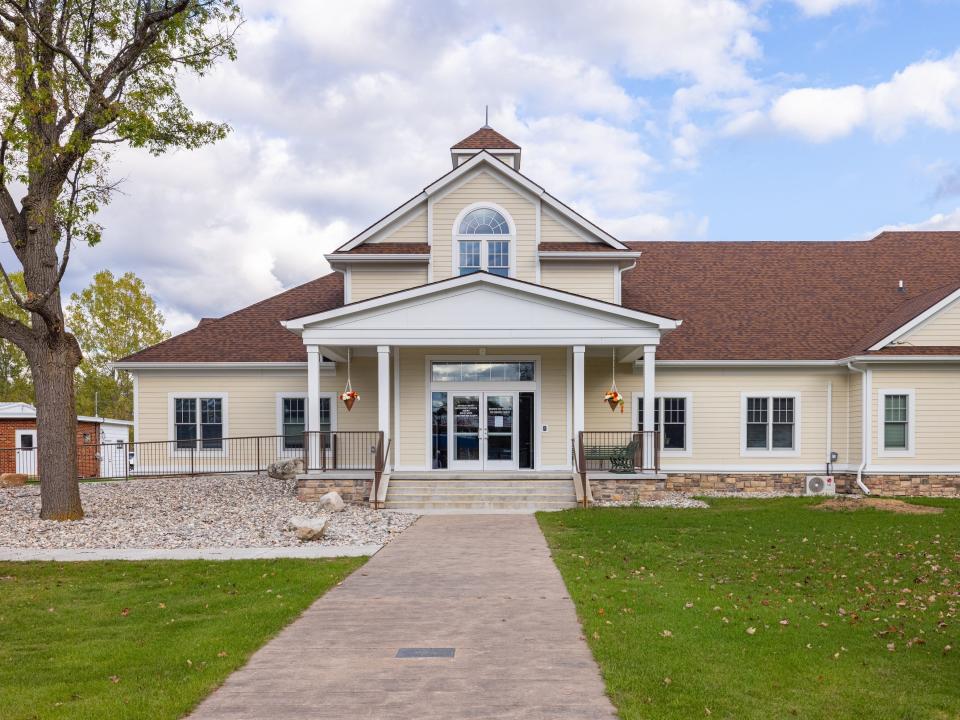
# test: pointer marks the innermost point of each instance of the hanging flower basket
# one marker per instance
(614, 399)
(349, 397)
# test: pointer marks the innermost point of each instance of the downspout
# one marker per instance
(629, 267)
(864, 431)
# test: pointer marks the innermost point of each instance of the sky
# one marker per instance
(658, 119)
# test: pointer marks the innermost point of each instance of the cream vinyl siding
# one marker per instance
(411, 228)
(552, 229)
(414, 441)
(594, 279)
(715, 411)
(942, 329)
(251, 397)
(370, 280)
(484, 187)
(855, 422)
(936, 414)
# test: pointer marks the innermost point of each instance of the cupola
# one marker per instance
(486, 138)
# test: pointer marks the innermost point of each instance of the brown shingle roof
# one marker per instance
(485, 137)
(737, 300)
(786, 300)
(576, 247)
(388, 248)
(253, 334)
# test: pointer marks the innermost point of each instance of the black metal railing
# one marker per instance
(320, 452)
(623, 451)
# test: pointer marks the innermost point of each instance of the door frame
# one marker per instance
(483, 463)
(19, 433)
(450, 388)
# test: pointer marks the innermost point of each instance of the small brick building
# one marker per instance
(18, 442)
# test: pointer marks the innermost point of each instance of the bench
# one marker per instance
(620, 457)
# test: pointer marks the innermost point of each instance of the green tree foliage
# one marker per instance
(78, 78)
(16, 385)
(111, 318)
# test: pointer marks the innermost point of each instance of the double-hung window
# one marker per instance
(198, 422)
(483, 239)
(771, 423)
(671, 418)
(896, 421)
(292, 418)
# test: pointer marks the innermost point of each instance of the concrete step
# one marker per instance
(480, 487)
(420, 494)
(511, 506)
(446, 475)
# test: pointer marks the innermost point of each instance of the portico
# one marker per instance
(480, 373)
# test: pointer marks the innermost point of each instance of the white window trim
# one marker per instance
(911, 449)
(797, 424)
(171, 425)
(688, 426)
(484, 253)
(279, 415)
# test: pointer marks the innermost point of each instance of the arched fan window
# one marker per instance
(484, 221)
(490, 252)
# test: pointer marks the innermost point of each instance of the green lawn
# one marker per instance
(140, 639)
(768, 609)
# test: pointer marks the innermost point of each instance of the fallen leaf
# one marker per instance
(114, 679)
(666, 633)
(891, 646)
(222, 653)
(751, 630)
(125, 612)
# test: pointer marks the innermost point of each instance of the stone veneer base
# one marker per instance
(624, 490)
(352, 491)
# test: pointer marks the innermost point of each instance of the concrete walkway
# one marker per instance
(483, 585)
(226, 553)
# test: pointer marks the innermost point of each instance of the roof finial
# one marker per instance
(486, 116)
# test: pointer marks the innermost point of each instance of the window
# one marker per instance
(482, 371)
(670, 419)
(484, 221)
(198, 422)
(469, 256)
(483, 242)
(294, 422)
(292, 413)
(770, 423)
(896, 422)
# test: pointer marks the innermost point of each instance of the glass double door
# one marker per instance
(482, 430)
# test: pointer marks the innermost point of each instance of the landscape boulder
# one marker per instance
(332, 502)
(285, 469)
(307, 528)
(12, 480)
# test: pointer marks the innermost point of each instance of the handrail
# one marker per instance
(380, 464)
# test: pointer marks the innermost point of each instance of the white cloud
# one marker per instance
(925, 92)
(341, 111)
(939, 221)
(821, 8)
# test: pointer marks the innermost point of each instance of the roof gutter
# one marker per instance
(864, 426)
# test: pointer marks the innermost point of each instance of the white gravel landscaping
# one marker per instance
(192, 512)
(679, 500)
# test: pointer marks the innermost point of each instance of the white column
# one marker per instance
(578, 398)
(383, 391)
(649, 403)
(313, 387)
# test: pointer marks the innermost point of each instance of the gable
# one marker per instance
(409, 228)
(940, 330)
(554, 229)
(482, 187)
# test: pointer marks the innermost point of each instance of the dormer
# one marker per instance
(486, 138)
(484, 215)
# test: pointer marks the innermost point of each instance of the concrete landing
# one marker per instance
(483, 586)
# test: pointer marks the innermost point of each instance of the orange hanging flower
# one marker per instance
(614, 399)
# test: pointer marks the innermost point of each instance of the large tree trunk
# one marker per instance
(53, 371)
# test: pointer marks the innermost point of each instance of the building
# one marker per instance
(18, 442)
(483, 322)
